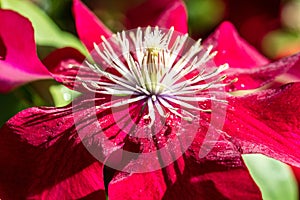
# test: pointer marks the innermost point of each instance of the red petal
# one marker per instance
(271, 124)
(293, 74)
(165, 13)
(187, 179)
(220, 174)
(64, 65)
(18, 59)
(267, 122)
(88, 26)
(234, 50)
(249, 66)
(42, 158)
(259, 76)
(175, 15)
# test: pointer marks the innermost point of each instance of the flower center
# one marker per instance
(162, 68)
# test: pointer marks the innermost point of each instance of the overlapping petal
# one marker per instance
(156, 13)
(293, 74)
(55, 163)
(251, 69)
(187, 178)
(274, 120)
(88, 26)
(234, 50)
(64, 64)
(19, 62)
(259, 76)
(164, 14)
(42, 158)
(266, 122)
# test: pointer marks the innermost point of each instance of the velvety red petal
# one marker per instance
(274, 117)
(266, 122)
(293, 74)
(259, 76)
(88, 26)
(42, 157)
(220, 174)
(234, 50)
(175, 16)
(187, 179)
(63, 64)
(19, 62)
(195, 177)
(165, 13)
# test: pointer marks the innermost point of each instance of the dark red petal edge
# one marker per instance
(187, 178)
(257, 77)
(233, 49)
(88, 26)
(266, 122)
(41, 157)
(64, 65)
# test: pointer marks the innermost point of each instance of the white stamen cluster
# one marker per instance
(153, 70)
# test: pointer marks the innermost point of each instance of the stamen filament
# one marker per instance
(150, 69)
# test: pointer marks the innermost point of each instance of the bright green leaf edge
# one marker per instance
(62, 95)
(275, 179)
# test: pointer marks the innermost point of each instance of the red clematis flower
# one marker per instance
(126, 113)
(18, 59)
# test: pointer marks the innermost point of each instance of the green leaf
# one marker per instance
(10, 104)
(280, 43)
(62, 95)
(19, 99)
(204, 14)
(274, 178)
(47, 33)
